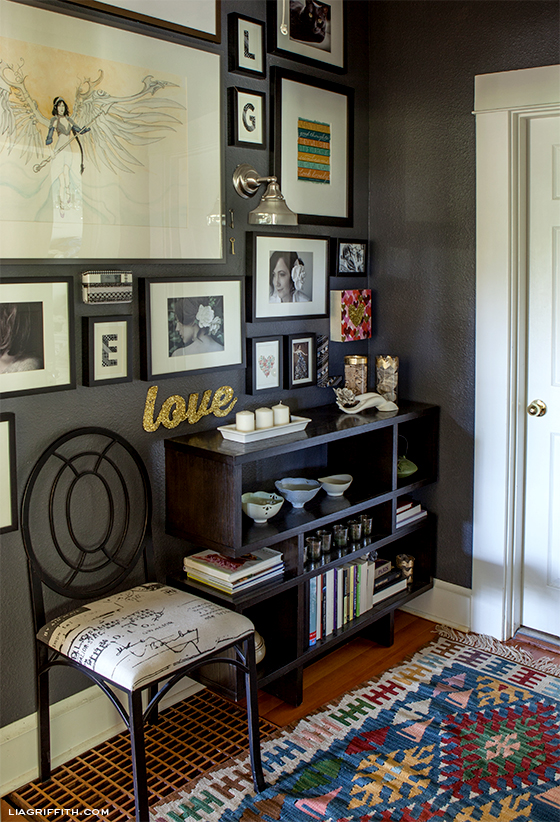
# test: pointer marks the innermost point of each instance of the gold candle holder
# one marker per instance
(387, 375)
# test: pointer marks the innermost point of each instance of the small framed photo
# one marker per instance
(247, 118)
(300, 360)
(350, 258)
(8, 487)
(264, 364)
(190, 325)
(311, 31)
(289, 276)
(36, 335)
(247, 54)
(107, 350)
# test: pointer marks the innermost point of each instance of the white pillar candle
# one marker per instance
(245, 421)
(265, 417)
(281, 414)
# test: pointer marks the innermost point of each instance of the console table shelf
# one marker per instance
(206, 476)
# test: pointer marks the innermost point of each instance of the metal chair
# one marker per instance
(86, 515)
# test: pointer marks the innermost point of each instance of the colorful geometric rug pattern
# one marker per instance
(457, 733)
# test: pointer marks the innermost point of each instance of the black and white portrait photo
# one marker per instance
(291, 277)
(352, 257)
(196, 325)
(21, 337)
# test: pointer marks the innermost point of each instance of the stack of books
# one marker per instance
(342, 594)
(230, 574)
(409, 511)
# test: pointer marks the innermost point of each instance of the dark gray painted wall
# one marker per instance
(414, 153)
(42, 418)
(423, 58)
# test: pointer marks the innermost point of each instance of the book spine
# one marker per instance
(339, 597)
(312, 612)
(346, 594)
(330, 601)
(323, 605)
(319, 599)
(387, 579)
(335, 598)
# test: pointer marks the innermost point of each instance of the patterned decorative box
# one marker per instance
(351, 315)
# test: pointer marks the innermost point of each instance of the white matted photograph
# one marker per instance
(289, 276)
(311, 31)
(190, 325)
(36, 335)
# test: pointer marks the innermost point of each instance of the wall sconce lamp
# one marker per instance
(272, 209)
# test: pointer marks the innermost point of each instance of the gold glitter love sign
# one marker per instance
(175, 410)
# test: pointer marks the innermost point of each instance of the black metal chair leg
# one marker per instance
(253, 715)
(138, 756)
(44, 723)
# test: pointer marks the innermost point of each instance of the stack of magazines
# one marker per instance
(231, 574)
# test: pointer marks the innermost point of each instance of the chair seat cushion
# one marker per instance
(145, 634)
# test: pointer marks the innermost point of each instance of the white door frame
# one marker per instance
(503, 104)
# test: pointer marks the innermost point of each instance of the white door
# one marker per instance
(541, 544)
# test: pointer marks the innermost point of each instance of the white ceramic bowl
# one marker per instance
(261, 505)
(336, 484)
(298, 490)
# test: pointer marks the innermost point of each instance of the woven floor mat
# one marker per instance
(191, 738)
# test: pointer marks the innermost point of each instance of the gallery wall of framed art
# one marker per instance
(120, 158)
(157, 203)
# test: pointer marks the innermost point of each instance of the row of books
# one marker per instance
(233, 574)
(409, 511)
(342, 594)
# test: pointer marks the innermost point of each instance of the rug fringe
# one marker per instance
(485, 642)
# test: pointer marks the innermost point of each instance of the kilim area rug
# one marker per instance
(468, 729)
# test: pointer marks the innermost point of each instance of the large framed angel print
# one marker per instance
(111, 142)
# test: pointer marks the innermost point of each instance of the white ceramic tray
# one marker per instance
(230, 432)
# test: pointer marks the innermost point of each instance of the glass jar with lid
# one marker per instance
(356, 373)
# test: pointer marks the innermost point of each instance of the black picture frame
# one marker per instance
(246, 118)
(300, 360)
(263, 250)
(158, 22)
(350, 258)
(251, 62)
(323, 192)
(113, 354)
(8, 470)
(162, 354)
(47, 358)
(322, 46)
(263, 375)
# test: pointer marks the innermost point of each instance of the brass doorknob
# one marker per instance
(537, 408)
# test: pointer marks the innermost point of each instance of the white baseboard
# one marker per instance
(446, 603)
(77, 724)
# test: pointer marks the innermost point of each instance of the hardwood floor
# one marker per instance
(348, 667)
